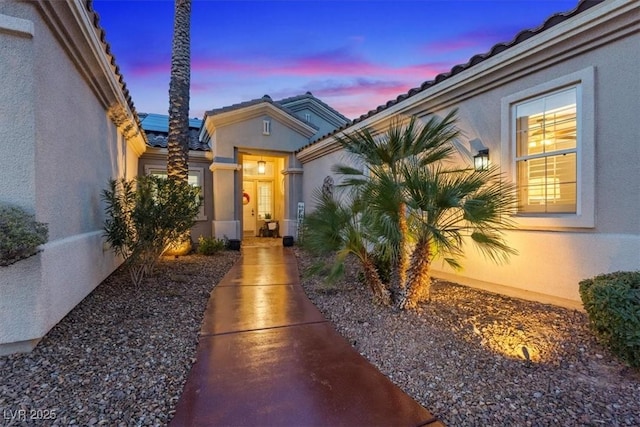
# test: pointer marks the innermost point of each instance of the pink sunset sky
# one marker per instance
(353, 55)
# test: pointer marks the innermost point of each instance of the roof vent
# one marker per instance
(266, 97)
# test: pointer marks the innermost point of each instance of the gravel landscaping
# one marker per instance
(121, 357)
(461, 356)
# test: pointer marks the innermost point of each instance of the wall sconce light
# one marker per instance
(261, 166)
(481, 160)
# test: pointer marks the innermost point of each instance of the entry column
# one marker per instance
(226, 220)
(292, 195)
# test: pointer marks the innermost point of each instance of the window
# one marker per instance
(266, 127)
(195, 178)
(547, 150)
(265, 199)
(546, 146)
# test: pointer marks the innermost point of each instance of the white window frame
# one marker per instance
(198, 172)
(266, 127)
(584, 217)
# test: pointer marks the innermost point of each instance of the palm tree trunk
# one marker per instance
(178, 139)
(403, 258)
(380, 292)
(418, 287)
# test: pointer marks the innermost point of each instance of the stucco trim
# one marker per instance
(16, 26)
(164, 152)
(211, 123)
(585, 216)
(292, 171)
(224, 166)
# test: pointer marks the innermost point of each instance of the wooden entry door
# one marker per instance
(249, 209)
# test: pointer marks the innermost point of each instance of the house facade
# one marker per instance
(256, 174)
(243, 159)
(556, 108)
(67, 125)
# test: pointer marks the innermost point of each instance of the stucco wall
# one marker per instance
(553, 262)
(317, 170)
(17, 121)
(248, 134)
(62, 138)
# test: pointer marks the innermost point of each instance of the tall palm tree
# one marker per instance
(382, 182)
(178, 140)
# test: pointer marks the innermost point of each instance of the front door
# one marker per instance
(249, 212)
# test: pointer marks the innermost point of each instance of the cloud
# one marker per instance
(476, 40)
(330, 63)
(358, 86)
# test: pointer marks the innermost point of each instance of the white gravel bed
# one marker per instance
(121, 357)
(461, 356)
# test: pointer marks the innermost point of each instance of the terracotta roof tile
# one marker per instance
(107, 49)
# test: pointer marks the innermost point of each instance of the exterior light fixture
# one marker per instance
(481, 160)
(261, 166)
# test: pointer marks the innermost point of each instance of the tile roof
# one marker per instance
(523, 35)
(280, 104)
(309, 95)
(107, 49)
(156, 126)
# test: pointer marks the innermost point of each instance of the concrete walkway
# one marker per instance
(267, 357)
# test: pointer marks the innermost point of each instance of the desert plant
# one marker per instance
(210, 245)
(144, 216)
(612, 302)
(341, 227)
(20, 234)
(413, 208)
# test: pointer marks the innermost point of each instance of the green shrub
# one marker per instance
(210, 245)
(20, 235)
(144, 216)
(612, 302)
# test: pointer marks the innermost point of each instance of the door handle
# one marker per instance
(252, 212)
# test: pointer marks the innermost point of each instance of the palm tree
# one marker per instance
(178, 140)
(341, 228)
(449, 206)
(382, 185)
(408, 207)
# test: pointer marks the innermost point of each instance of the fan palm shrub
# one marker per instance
(450, 207)
(411, 208)
(381, 181)
(340, 227)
